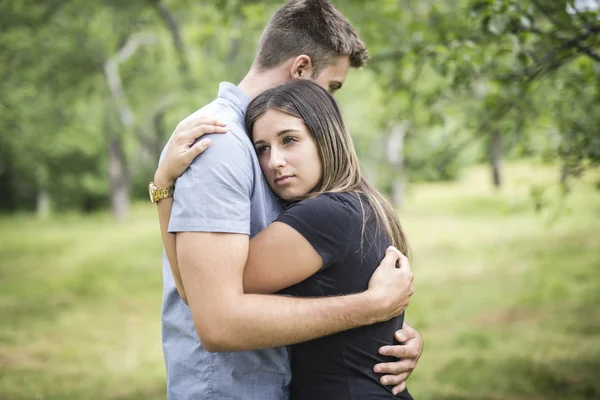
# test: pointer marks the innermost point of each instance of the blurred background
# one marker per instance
(479, 119)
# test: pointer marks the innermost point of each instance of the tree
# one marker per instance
(540, 46)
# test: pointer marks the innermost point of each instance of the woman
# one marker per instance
(336, 222)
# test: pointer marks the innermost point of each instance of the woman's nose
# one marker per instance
(276, 160)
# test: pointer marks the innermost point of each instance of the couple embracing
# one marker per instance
(284, 270)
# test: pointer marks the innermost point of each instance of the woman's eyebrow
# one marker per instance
(283, 132)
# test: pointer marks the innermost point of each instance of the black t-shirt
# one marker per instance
(340, 366)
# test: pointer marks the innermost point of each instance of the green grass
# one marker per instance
(80, 304)
(507, 299)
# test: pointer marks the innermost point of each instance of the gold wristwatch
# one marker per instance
(157, 194)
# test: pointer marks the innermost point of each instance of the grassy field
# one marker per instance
(507, 299)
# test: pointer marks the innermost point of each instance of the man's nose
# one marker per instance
(276, 160)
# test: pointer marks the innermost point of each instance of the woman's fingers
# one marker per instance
(192, 122)
(209, 121)
(196, 150)
(193, 134)
(184, 146)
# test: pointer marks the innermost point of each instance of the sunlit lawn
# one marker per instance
(507, 299)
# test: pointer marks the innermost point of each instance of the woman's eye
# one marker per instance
(261, 149)
(288, 139)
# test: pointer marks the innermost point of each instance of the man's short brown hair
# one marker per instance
(312, 27)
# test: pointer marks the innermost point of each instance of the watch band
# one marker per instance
(157, 194)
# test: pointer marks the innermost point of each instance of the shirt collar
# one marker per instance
(235, 95)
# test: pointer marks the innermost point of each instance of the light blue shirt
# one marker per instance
(222, 191)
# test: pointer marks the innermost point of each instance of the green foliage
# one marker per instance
(451, 73)
(546, 59)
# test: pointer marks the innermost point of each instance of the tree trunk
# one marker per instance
(496, 158)
(157, 135)
(158, 126)
(564, 175)
(235, 42)
(372, 175)
(175, 31)
(565, 172)
(395, 157)
(119, 178)
(398, 192)
(117, 162)
(42, 209)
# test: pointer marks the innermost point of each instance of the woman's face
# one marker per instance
(287, 153)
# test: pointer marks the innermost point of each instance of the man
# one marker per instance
(222, 199)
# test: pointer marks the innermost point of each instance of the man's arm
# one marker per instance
(226, 319)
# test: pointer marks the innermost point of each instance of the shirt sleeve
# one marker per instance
(214, 193)
(326, 222)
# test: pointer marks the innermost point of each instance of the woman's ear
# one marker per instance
(302, 67)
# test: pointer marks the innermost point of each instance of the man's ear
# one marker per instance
(301, 67)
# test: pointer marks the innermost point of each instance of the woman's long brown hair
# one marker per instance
(306, 100)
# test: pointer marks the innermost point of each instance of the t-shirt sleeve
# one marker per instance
(213, 194)
(326, 223)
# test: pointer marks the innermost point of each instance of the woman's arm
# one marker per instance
(164, 213)
(309, 236)
(279, 257)
(180, 152)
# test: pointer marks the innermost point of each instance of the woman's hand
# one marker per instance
(182, 148)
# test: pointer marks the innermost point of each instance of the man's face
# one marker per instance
(333, 77)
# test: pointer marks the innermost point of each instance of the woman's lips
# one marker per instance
(283, 180)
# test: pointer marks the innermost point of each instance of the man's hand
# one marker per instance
(182, 149)
(408, 351)
(392, 284)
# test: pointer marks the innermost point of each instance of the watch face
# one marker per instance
(151, 191)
